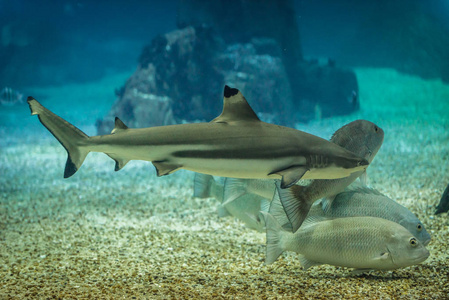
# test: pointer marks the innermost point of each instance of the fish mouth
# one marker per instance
(426, 242)
(363, 162)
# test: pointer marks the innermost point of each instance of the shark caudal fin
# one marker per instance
(68, 135)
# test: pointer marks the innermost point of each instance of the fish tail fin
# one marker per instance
(205, 186)
(70, 137)
(296, 206)
(275, 235)
(233, 189)
(202, 184)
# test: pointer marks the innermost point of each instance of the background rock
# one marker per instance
(251, 45)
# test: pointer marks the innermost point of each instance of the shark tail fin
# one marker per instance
(70, 137)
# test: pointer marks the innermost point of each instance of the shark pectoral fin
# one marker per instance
(235, 108)
(119, 126)
(291, 175)
(163, 168)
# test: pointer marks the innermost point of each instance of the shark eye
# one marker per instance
(376, 129)
(413, 242)
(419, 227)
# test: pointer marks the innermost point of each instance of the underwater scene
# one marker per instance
(226, 149)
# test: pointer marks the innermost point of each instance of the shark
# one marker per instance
(234, 144)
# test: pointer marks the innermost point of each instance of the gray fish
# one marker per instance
(363, 201)
(237, 187)
(363, 243)
(235, 144)
(443, 206)
(361, 137)
(246, 207)
(10, 97)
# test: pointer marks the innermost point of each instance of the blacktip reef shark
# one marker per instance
(235, 144)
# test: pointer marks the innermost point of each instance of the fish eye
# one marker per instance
(413, 242)
(419, 227)
(376, 129)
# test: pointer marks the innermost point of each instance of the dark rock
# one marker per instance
(325, 90)
(181, 75)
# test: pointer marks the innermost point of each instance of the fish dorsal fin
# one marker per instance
(119, 126)
(235, 108)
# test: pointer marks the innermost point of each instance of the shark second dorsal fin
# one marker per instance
(119, 126)
(235, 108)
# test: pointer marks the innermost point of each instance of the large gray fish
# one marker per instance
(363, 243)
(235, 144)
(361, 137)
(443, 206)
(363, 201)
(10, 97)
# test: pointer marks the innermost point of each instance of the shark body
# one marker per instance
(235, 144)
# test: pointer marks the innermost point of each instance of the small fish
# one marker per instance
(10, 97)
(235, 144)
(443, 206)
(364, 201)
(363, 243)
(361, 137)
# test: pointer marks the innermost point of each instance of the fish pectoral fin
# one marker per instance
(163, 168)
(223, 212)
(307, 263)
(360, 271)
(291, 175)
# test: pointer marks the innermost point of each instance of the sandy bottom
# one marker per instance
(106, 234)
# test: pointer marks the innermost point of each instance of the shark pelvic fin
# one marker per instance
(291, 175)
(235, 108)
(163, 168)
(119, 126)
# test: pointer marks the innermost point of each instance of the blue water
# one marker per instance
(73, 56)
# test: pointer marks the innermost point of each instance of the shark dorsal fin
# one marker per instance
(119, 126)
(235, 108)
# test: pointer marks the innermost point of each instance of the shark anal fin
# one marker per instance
(163, 168)
(235, 108)
(291, 175)
(119, 162)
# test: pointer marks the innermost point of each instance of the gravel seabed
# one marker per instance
(119, 235)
